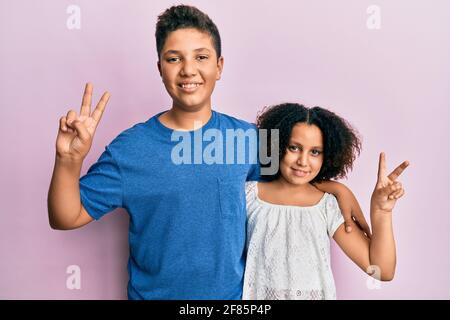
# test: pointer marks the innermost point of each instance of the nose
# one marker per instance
(302, 159)
(188, 68)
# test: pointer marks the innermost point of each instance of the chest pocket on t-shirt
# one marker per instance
(231, 196)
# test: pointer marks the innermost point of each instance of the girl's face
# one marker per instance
(189, 68)
(304, 154)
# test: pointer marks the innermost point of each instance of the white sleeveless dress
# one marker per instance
(288, 249)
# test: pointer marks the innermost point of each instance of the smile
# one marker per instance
(300, 173)
(189, 87)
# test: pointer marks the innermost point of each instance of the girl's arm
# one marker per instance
(348, 204)
(379, 252)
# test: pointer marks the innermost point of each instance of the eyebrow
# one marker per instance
(298, 143)
(177, 52)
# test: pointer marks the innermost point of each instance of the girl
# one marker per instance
(290, 220)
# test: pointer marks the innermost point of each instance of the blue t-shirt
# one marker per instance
(186, 205)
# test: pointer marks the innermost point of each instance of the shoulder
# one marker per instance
(333, 214)
(232, 122)
(330, 205)
(251, 190)
(128, 135)
(250, 186)
(137, 134)
(132, 139)
(329, 199)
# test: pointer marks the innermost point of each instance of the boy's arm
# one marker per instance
(348, 204)
(65, 210)
(73, 143)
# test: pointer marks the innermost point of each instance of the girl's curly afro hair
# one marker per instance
(341, 142)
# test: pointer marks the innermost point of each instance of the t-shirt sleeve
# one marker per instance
(254, 173)
(101, 188)
(333, 215)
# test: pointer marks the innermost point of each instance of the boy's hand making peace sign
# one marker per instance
(387, 189)
(76, 132)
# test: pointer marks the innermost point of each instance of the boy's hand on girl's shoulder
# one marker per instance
(76, 132)
(387, 189)
(350, 209)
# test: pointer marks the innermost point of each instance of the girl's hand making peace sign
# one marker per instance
(387, 189)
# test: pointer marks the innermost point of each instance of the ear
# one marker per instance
(159, 68)
(220, 62)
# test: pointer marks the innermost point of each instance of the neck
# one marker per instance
(179, 119)
(283, 184)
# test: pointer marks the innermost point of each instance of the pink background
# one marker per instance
(392, 84)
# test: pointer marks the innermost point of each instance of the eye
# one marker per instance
(316, 152)
(202, 57)
(293, 148)
(173, 59)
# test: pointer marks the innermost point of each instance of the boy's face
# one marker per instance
(304, 154)
(189, 68)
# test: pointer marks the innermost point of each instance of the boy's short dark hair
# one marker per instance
(180, 17)
(340, 141)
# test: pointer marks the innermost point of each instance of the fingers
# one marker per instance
(381, 166)
(360, 220)
(71, 124)
(62, 124)
(389, 189)
(392, 190)
(71, 116)
(356, 216)
(347, 215)
(82, 131)
(87, 98)
(398, 192)
(66, 122)
(398, 171)
(347, 220)
(98, 112)
(364, 227)
(348, 225)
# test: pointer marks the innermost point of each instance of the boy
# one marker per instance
(187, 222)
